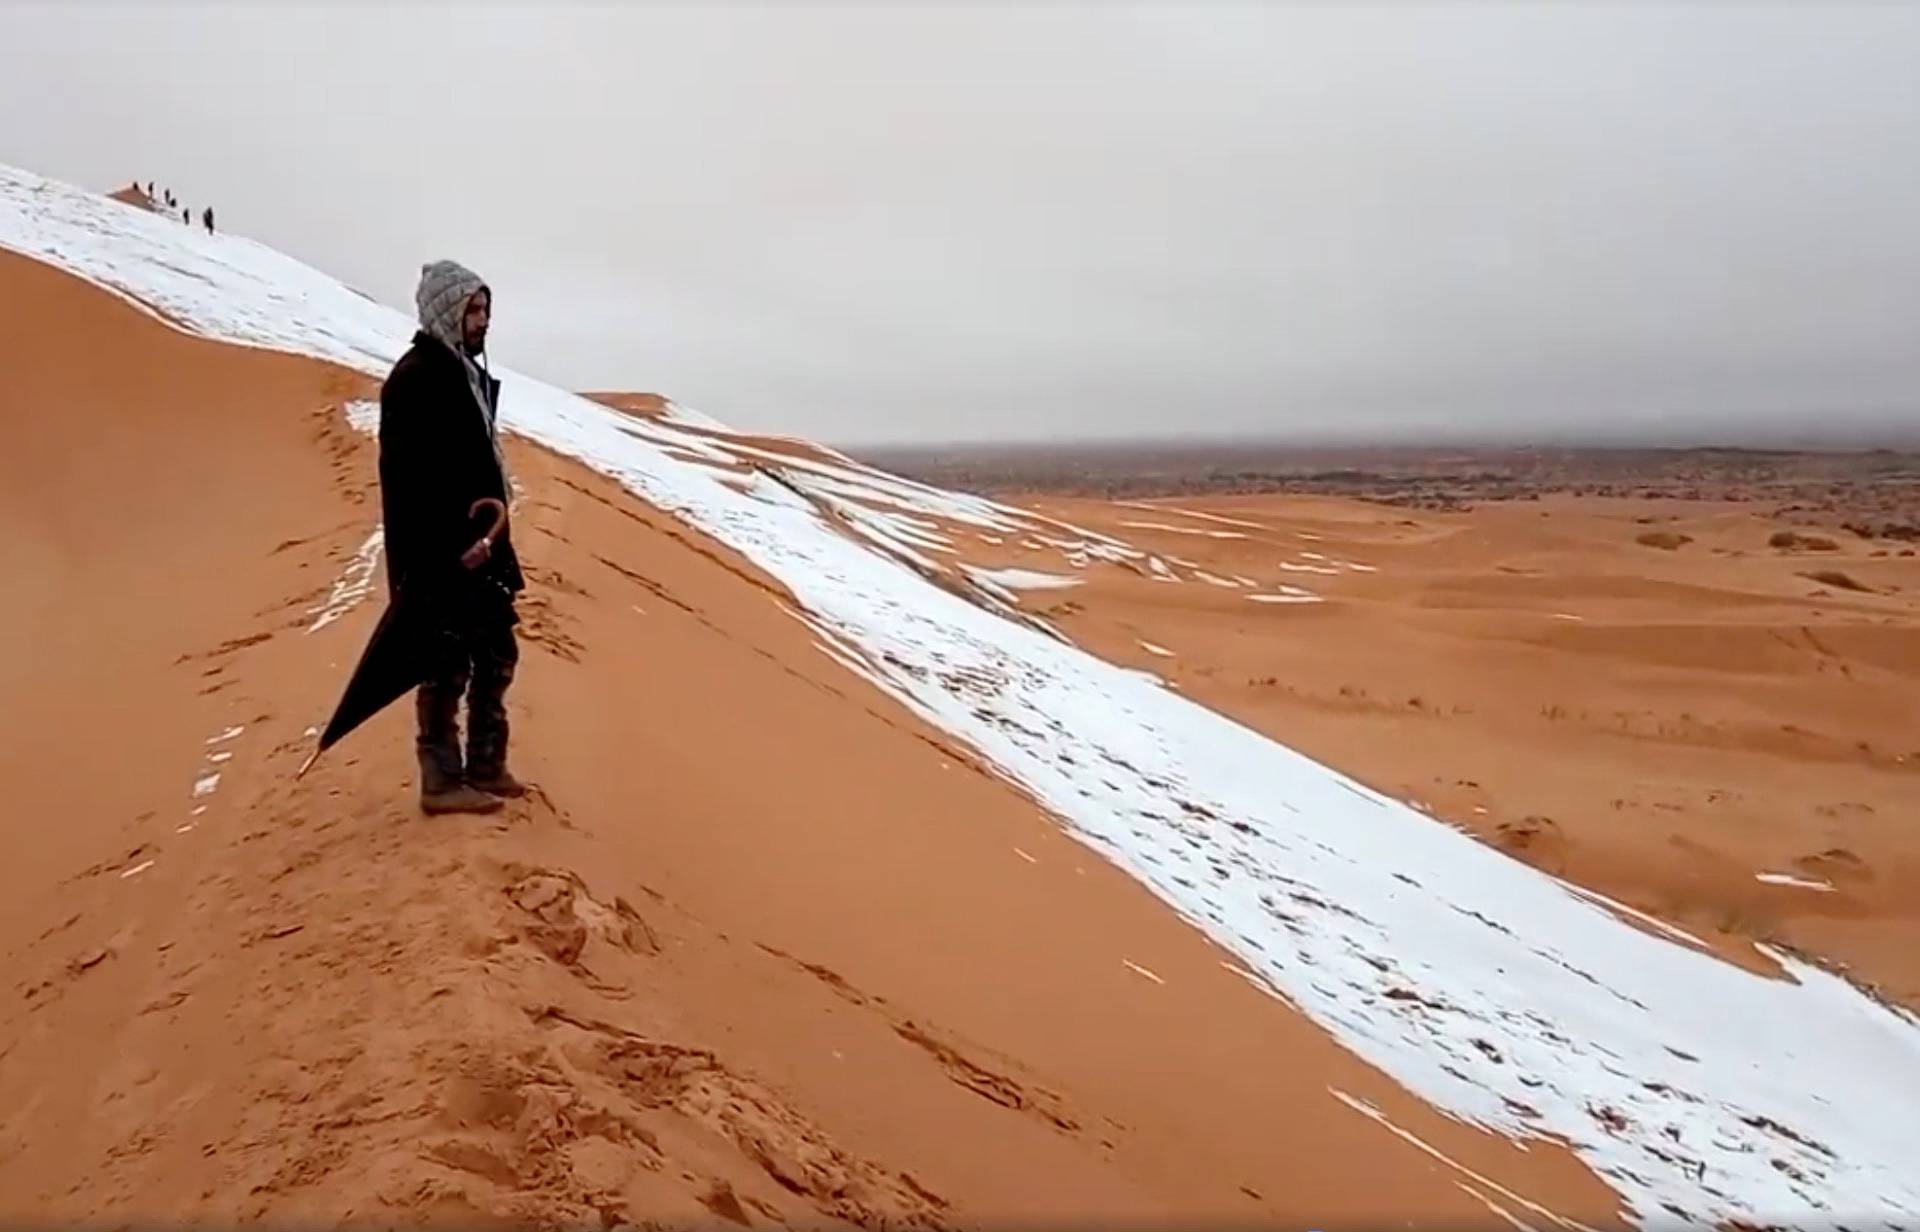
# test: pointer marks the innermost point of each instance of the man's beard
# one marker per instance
(479, 347)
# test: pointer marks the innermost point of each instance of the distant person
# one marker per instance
(207, 218)
(440, 453)
(186, 216)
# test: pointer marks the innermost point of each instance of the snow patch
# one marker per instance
(1798, 883)
(363, 416)
(353, 585)
(1214, 517)
(1023, 579)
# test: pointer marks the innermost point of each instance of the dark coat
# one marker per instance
(436, 459)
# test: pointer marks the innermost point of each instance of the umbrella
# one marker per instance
(409, 641)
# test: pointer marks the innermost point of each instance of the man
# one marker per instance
(439, 454)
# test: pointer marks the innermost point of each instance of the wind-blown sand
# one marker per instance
(785, 935)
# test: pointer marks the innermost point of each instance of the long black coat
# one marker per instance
(436, 460)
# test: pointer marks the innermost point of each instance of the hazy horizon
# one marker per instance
(1813, 438)
(997, 223)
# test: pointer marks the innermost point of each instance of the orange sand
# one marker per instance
(1656, 724)
(762, 949)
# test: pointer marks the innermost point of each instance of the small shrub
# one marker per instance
(1788, 540)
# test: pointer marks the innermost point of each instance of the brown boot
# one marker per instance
(459, 798)
(442, 790)
(494, 655)
(497, 783)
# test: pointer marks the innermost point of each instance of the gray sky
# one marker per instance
(872, 223)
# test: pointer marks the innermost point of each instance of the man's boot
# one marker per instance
(443, 788)
(439, 795)
(493, 667)
(499, 783)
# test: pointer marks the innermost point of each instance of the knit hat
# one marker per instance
(445, 288)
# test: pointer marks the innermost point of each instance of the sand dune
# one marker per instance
(864, 983)
(858, 891)
(1661, 728)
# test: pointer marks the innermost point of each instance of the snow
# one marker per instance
(205, 785)
(676, 413)
(1654, 922)
(1375, 1115)
(1287, 594)
(1024, 579)
(364, 416)
(1152, 649)
(1184, 530)
(1798, 883)
(1214, 517)
(1479, 984)
(354, 584)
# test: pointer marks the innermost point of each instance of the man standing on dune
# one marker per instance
(439, 454)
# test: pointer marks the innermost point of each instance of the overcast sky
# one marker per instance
(872, 223)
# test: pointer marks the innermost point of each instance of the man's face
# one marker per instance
(473, 325)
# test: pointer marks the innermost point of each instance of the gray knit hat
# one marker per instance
(445, 288)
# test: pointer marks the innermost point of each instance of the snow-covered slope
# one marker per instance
(1699, 1091)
